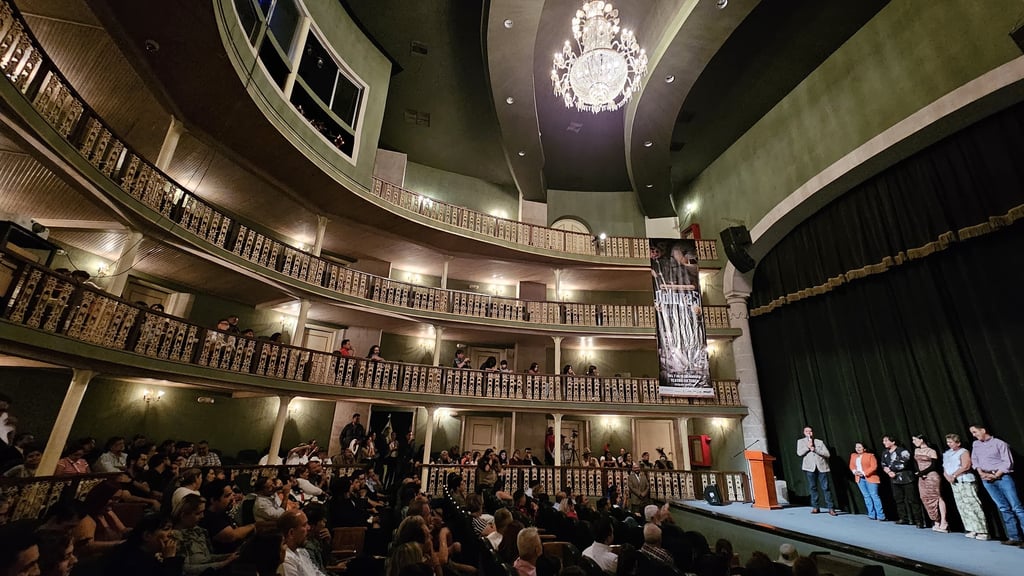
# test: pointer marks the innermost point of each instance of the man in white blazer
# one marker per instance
(815, 465)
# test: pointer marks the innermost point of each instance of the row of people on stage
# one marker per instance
(915, 478)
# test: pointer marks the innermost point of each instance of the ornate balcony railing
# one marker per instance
(530, 235)
(33, 498)
(33, 74)
(44, 300)
(665, 484)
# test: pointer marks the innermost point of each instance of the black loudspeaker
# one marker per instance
(713, 495)
(736, 241)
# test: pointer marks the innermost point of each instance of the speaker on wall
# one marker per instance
(713, 495)
(736, 241)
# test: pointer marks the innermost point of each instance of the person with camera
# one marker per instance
(898, 464)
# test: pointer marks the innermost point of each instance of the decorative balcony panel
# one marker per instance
(524, 234)
(666, 485)
(41, 299)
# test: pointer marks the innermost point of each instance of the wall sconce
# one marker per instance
(294, 409)
(102, 270)
(565, 295)
(495, 289)
(150, 396)
(712, 349)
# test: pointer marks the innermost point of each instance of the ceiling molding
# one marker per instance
(509, 60)
(693, 34)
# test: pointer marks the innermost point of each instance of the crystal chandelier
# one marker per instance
(606, 72)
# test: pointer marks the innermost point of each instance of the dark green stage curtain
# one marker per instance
(927, 347)
(956, 183)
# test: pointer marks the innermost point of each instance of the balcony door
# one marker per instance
(482, 432)
(653, 434)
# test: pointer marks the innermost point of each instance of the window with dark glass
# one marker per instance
(283, 22)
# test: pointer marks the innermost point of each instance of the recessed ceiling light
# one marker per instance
(670, 79)
(650, 186)
(648, 144)
(522, 153)
(722, 4)
(510, 100)
(508, 23)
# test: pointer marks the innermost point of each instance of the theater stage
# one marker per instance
(899, 549)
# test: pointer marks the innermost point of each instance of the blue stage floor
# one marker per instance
(893, 544)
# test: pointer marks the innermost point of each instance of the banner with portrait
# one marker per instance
(682, 342)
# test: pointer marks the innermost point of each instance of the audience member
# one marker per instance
(56, 552)
(148, 550)
(530, 548)
(225, 533)
(193, 540)
(203, 457)
(600, 551)
(294, 527)
(19, 550)
(804, 566)
(114, 459)
(33, 454)
(787, 554)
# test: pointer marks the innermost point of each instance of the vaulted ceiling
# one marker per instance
(728, 67)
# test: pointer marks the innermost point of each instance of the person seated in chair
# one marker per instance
(600, 551)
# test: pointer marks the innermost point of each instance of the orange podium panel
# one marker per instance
(762, 477)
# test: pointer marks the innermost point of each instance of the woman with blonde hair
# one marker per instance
(956, 468)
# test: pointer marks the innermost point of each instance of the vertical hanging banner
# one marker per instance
(682, 342)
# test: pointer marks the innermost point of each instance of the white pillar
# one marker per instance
(558, 439)
(558, 354)
(512, 445)
(321, 230)
(438, 333)
(125, 262)
(684, 443)
(444, 271)
(295, 53)
(65, 418)
(275, 437)
(746, 372)
(558, 284)
(428, 442)
(299, 338)
(174, 132)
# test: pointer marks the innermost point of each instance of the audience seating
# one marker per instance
(347, 542)
(590, 567)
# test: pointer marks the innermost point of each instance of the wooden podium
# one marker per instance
(762, 478)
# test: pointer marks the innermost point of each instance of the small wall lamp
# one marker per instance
(150, 396)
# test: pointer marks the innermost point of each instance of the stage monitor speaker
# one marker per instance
(713, 495)
(736, 241)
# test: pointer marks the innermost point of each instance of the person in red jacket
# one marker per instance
(864, 466)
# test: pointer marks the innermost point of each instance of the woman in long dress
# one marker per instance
(929, 482)
(956, 467)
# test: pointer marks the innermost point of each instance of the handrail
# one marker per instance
(33, 498)
(522, 233)
(665, 484)
(34, 75)
(45, 300)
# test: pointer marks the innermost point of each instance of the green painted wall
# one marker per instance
(726, 441)
(460, 190)
(615, 431)
(906, 57)
(637, 363)
(634, 297)
(116, 408)
(207, 310)
(614, 213)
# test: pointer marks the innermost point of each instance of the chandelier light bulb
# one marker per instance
(608, 66)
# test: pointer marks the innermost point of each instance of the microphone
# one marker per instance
(745, 448)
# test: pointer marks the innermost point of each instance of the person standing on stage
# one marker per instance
(815, 465)
(929, 482)
(956, 467)
(994, 463)
(864, 466)
(898, 464)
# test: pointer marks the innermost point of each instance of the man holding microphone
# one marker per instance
(815, 465)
